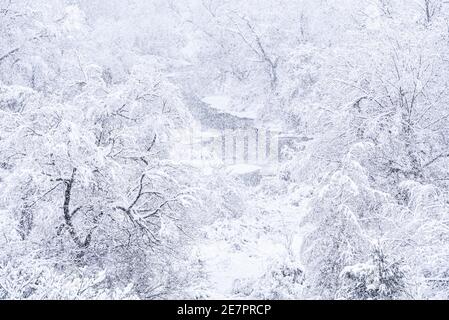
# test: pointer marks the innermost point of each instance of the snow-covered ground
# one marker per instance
(239, 254)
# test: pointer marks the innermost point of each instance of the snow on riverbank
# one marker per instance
(254, 256)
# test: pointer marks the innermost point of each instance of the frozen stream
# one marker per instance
(239, 255)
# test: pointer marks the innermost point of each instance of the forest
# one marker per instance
(128, 168)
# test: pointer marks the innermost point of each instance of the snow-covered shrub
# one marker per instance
(335, 238)
(38, 279)
(280, 281)
(377, 279)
